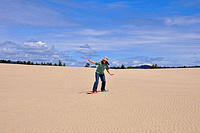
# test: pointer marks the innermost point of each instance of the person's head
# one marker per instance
(105, 60)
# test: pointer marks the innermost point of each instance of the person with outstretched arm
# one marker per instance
(102, 65)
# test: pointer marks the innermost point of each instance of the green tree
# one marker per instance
(130, 67)
(154, 66)
(123, 67)
(28, 62)
(87, 65)
(60, 63)
(18, 62)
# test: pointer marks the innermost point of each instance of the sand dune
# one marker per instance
(43, 99)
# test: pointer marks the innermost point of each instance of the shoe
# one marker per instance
(94, 92)
(104, 91)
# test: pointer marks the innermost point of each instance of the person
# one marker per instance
(102, 65)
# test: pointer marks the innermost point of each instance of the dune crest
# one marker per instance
(48, 99)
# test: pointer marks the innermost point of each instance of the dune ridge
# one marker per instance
(48, 99)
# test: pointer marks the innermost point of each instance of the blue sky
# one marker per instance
(130, 32)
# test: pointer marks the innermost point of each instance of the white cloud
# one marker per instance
(143, 64)
(115, 63)
(36, 45)
(182, 20)
(137, 61)
(92, 32)
(6, 51)
(87, 52)
(33, 51)
(131, 37)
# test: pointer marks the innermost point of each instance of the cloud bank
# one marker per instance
(36, 51)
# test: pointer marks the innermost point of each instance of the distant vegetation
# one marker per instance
(154, 66)
(87, 65)
(32, 63)
(122, 66)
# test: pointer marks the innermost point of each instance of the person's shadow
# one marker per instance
(88, 92)
(91, 92)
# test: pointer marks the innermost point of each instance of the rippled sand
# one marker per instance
(42, 99)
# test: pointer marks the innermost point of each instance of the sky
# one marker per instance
(129, 32)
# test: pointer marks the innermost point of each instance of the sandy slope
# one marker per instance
(41, 99)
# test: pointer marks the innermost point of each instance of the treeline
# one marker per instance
(129, 67)
(153, 66)
(33, 63)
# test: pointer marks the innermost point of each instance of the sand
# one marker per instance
(48, 99)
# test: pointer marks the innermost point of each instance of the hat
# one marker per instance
(105, 58)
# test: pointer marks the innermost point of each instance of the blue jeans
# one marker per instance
(102, 76)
